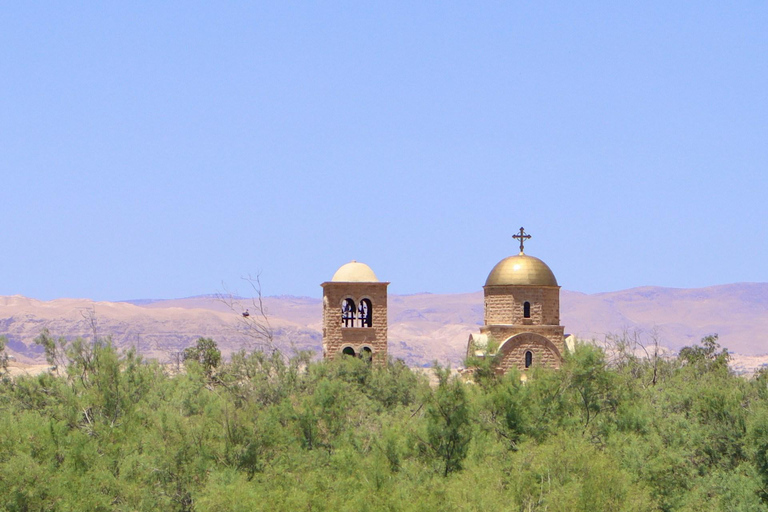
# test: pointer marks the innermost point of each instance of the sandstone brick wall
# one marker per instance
(504, 305)
(512, 354)
(554, 333)
(336, 337)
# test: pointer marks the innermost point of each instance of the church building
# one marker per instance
(355, 314)
(522, 315)
(521, 327)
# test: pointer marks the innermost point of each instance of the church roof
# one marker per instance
(355, 272)
(521, 270)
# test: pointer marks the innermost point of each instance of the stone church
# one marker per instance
(521, 325)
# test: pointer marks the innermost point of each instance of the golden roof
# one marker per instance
(354, 272)
(521, 270)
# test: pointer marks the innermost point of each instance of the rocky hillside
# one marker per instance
(423, 327)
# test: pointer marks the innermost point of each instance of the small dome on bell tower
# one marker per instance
(355, 272)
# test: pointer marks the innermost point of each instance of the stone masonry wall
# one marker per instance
(554, 333)
(514, 356)
(504, 305)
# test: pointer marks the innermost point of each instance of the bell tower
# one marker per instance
(355, 314)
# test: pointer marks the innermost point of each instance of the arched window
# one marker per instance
(348, 313)
(348, 351)
(528, 358)
(366, 354)
(365, 313)
(526, 309)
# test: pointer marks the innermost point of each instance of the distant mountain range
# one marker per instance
(422, 327)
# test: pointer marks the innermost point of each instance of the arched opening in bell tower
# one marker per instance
(365, 313)
(348, 313)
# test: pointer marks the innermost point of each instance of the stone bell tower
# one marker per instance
(522, 315)
(355, 314)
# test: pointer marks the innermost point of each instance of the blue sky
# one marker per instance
(160, 150)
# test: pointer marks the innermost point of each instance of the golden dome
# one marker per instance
(521, 270)
(354, 272)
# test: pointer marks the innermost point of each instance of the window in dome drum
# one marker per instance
(526, 309)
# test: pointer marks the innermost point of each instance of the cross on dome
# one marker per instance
(522, 236)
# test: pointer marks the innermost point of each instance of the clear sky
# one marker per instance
(160, 149)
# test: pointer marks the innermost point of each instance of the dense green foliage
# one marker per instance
(206, 353)
(107, 431)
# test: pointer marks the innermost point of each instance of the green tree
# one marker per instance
(449, 430)
(54, 348)
(206, 353)
(706, 357)
(588, 376)
(3, 356)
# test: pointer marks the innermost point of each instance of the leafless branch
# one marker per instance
(89, 315)
(252, 315)
(629, 347)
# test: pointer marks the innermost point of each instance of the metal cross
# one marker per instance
(523, 237)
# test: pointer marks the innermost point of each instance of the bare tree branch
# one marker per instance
(252, 315)
(89, 315)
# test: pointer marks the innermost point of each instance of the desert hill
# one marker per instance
(422, 327)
